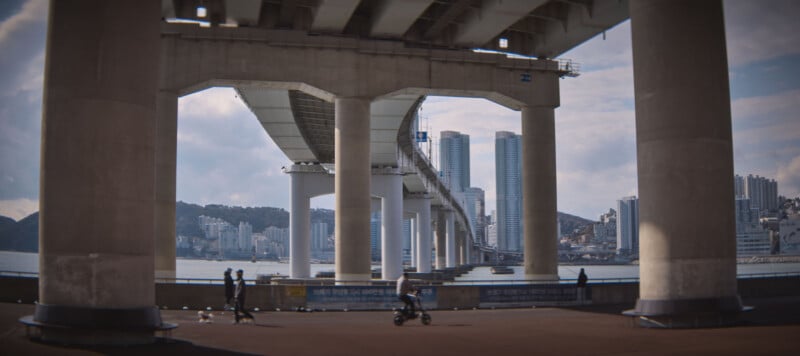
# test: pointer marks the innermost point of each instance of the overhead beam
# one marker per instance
(394, 17)
(455, 10)
(482, 25)
(243, 12)
(580, 26)
(333, 15)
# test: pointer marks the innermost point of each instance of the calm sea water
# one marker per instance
(211, 269)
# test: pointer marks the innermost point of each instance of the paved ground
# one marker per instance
(772, 329)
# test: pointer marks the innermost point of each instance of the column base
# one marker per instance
(165, 274)
(96, 326)
(353, 279)
(541, 278)
(688, 313)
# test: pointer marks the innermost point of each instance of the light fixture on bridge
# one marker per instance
(502, 42)
(202, 12)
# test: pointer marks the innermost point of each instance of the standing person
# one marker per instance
(228, 289)
(404, 288)
(582, 279)
(238, 297)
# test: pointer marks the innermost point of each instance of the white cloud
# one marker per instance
(225, 156)
(761, 30)
(789, 177)
(18, 209)
(765, 137)
(22, 38)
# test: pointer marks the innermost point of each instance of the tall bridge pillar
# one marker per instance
(388, 184)
(97, 199)
(412, 227)
(308, 181)
(441, 239)
(421, 206)
(540, 228)
(166, 153)
(450, 238)
(353, 174)
(687, 249)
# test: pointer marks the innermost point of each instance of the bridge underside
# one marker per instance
(114, 72)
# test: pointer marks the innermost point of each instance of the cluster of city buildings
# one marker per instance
(222, 239)
(765, 223)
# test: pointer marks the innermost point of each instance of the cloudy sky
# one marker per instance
(224, 156)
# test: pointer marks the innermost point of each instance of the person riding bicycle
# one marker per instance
(404, 289)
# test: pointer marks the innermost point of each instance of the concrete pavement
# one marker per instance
(772, 329)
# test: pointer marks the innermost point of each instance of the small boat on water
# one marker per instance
(502, 270)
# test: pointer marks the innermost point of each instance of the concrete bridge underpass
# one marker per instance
(114, 72)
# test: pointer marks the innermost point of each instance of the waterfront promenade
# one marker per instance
(771, 329)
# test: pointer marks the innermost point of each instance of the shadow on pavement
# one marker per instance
(766, 311)
(162, 346)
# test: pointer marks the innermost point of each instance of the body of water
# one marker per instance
(212, 269)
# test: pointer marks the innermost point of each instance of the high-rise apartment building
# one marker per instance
(245, 236)
(508, 170)
(628, 226)
(751, 238)
(762, 192)
(454, 160)
(319, 236)
(375, 235)
(475, 209)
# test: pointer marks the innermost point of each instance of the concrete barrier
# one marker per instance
(614, 293)
(463, 297)
(289, 297)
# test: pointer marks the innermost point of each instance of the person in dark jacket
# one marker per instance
(228, 289)
(239, 295)
(582, 279)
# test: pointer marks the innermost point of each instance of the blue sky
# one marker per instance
(224, 156)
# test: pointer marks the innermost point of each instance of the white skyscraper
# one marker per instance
(475, 208)
(454, 160)
(628, 225)
(508, 169)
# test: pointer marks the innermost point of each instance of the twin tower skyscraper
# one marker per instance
(454, 166)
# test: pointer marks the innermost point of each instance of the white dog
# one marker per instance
(204, 318)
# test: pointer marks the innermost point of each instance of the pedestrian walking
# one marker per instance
(239, 296)
(228, 289)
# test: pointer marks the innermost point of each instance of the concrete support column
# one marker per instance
(422, 207)
(98, 173)
(459, 248)
(539, 193)
(166, 152)
(450, 233)
(308, 181)
(353, 174)
(462, 249)
(412, 226)
(390, 187)
(441, 239)
(685, 163)
(424, 239)
(299, 230)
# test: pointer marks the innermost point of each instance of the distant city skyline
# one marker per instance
(225, 156)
